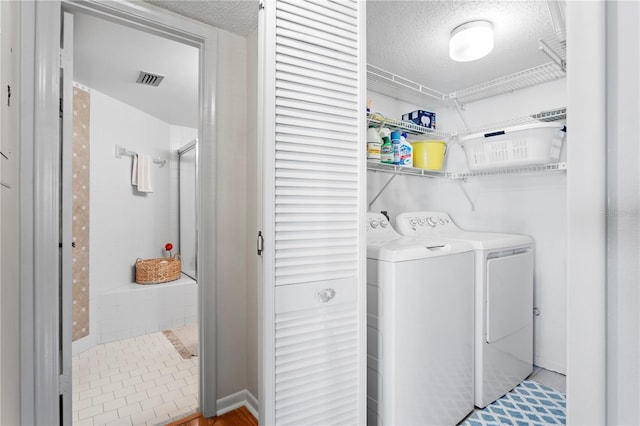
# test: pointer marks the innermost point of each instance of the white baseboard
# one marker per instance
(550, 365)
(237, 400)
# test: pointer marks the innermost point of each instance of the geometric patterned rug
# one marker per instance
(530, 403)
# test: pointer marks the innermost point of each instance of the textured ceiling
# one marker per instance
(408, 38)
(108, 58)
(237, 16)
(411, 39)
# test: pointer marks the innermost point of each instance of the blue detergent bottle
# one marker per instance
(406, 152)
(395, 140)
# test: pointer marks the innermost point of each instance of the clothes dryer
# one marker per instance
(420, 328)
(503, 300)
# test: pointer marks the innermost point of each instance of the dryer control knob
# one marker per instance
(421, 221)
(441, 220)
(374, 224)
(432, 222)
(384, 223)
(413, 221)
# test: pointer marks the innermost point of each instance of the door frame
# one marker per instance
(40, 182)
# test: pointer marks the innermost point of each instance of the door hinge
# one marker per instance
(260, 243)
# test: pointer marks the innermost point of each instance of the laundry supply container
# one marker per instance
(428, 155)
(524, 145)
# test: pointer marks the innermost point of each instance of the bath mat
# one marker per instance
(184, 339)
(530, 403)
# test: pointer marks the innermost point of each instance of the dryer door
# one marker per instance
(509, 301)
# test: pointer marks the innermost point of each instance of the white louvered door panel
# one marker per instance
(314, 209)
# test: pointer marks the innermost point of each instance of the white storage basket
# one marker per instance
(529, 144)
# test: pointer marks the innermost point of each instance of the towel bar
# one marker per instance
(121, 150)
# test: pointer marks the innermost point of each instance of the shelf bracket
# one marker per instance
(544, 47)
(382, 189)
(460, 108)
(466, 194)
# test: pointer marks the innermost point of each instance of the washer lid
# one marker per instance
(403, 249)
(433, 225)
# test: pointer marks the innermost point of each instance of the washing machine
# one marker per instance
(419, 328)
(503, 300)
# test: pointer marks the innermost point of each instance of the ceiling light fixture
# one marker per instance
(471, 41)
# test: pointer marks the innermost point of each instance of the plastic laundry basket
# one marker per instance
(537, 143)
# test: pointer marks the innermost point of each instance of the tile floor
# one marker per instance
(529, 404)
(137, 381)
(555, 383)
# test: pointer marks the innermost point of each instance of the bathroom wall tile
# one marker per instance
(80, 293)
(107, 300)
(109, 312)
(123, 334)
(177, 322)
(108, 325)
(138, 331)
(165, 324)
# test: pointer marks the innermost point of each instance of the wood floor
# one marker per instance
(238, 417)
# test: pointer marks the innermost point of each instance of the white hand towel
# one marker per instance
(145, 162)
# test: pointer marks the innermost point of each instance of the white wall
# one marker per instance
(10, 217)
(124, 224)
(623, 214)
(253, 186)
(231, 220)
(524, 204)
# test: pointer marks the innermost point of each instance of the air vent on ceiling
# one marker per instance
(149, 79)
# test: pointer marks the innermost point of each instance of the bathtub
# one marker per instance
(131, 309)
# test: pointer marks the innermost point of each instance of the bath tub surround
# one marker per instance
(130, 310)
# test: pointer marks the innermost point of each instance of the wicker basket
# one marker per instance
(160, 270)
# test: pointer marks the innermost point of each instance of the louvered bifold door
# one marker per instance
(314, 195)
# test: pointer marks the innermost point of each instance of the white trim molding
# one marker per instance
(244, 398)
(586, 207)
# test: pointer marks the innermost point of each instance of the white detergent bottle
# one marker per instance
(406, 152)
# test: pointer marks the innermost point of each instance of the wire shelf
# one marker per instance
(544, 116)
(405, 126)
(382, 76)
(520, 80)
(403, 170)
(551, 115)
(412, 171)
(539, 168)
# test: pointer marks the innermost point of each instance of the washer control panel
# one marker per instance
(379, 226)
(424, 223)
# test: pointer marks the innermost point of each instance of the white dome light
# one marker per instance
(471, 41)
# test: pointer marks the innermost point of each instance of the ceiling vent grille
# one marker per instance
(149, 79)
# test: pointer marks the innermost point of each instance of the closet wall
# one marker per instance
(231, 214)
(531, 204)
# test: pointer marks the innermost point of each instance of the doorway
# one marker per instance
(46, 370)
(134, 302)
